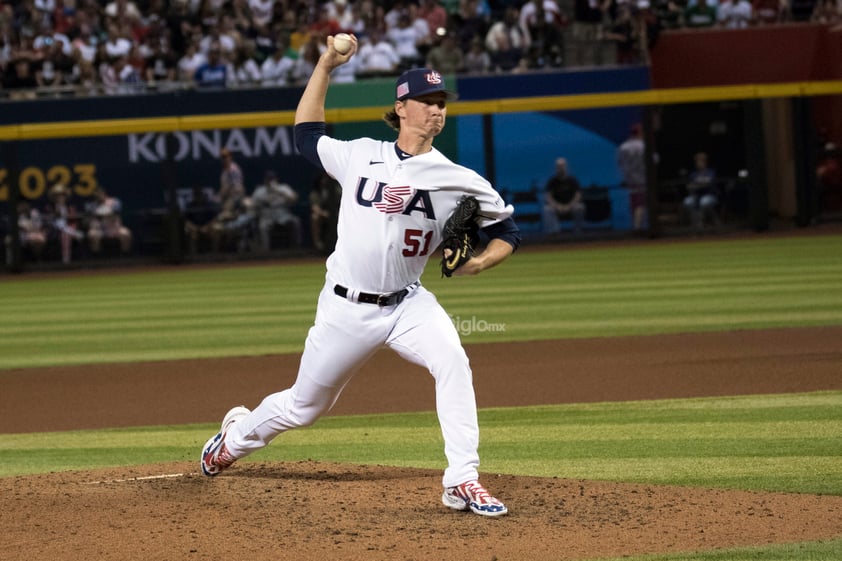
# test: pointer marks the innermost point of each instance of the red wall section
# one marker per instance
(768, 54)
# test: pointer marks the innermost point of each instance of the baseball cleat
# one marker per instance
(473, 496)
(215, 455)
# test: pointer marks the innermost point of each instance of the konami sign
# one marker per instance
(198, 145)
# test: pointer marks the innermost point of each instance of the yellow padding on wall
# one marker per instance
(117, 127)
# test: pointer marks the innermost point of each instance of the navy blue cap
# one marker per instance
(420, 81)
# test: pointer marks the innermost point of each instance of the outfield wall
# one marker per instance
(120, 141)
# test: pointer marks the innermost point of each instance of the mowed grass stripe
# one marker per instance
(583, 292)
(777, 442)
(199, 292)
(130, 320)
(768, 280)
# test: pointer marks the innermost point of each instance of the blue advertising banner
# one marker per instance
(134, 167)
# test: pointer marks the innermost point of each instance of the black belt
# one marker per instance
(390, 299)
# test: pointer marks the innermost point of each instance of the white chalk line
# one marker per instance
(130, 479)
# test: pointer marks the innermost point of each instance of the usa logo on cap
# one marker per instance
(433, 78)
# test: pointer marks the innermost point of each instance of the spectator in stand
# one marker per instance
(277, 69)
(585, 47)
(115, 44)
(541, 22)
(434, 13)
(324, 24)
(625, 34)
(273, 202)
(84, 43)
(55, 66)
(446, 57)
(631, 159)
(189, 63)
(244, 71)
(63, 221)
(394, 13)
(299, 32)
(701, 198)
(562, 199)
(377, 56)
(228, 28)
(24, 47)
(226, 43)
(128, 78)
(670, 13)
(344, 15)
(505, 41)
(105, 222)
(405, 37)
(648, 29)
(261, 12)
(375, 17)
(347, 73)
(469, 22)
(31, 232)
(324, 211)
(214, 72)
(233, 223)
(477, 60)
(207, 17)
(279, 10)
(231, 183)
(734, 14)
(829, 179)
(200, 219)
(122, 9)
(700, 14)
(161, 61)
(242, 17)
(426, 37)
(352, 20)
(48, 40)
(84, 78)
(767, 12)
(308, 56)
(827, 11)
(107, 72)
(179, 24)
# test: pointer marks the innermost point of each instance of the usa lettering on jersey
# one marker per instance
(390, 199)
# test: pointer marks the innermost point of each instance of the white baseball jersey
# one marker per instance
(393, 211)
(391, 219)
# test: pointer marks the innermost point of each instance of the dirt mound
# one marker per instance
(318, 511)
(312, 511)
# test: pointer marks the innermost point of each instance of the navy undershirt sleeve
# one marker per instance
(505, 230)
(307, 136)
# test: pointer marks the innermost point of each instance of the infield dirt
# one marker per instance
(315, 511)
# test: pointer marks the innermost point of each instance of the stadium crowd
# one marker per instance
(122, 46)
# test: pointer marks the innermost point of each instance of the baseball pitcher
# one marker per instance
(400, 201)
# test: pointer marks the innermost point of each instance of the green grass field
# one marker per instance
(787, 443)
(586, 292)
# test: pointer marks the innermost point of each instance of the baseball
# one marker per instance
(342, 43)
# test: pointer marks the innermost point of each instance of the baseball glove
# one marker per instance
(460, 235)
